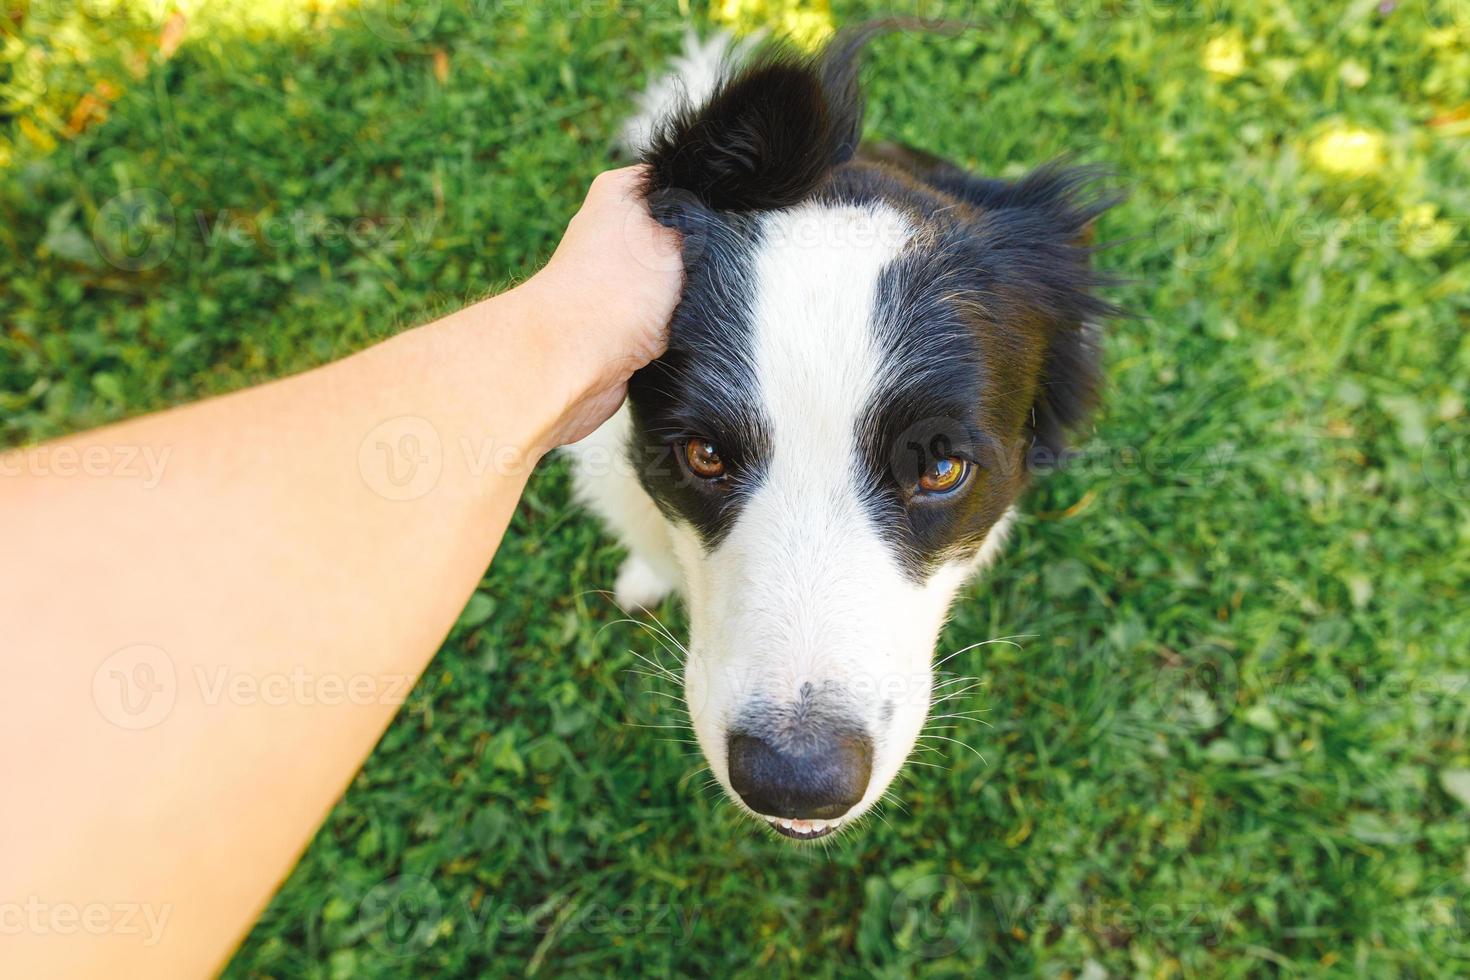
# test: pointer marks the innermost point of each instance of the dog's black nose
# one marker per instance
(818, 779)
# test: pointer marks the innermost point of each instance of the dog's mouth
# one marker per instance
(802, 829)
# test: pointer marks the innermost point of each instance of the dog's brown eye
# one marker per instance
(943, 475)
(703, 459)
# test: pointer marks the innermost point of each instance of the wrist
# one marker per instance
(486, 382)
(523, 332)
(582, 369)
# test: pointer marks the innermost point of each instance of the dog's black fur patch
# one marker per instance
(702, 386)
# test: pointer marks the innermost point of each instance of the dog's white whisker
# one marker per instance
(693, 773)
(927, 765)
(1008, 640)
(891, 798)
(960, 680)
(649, 674)
(668, 635)
(658, 629)
(660, 668)
(953, 695)
(967, 745)
(658, 637)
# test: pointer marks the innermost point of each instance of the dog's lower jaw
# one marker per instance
(803, 829)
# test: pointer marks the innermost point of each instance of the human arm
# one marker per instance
(203, 645)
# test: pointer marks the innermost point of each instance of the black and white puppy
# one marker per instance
(871, 347)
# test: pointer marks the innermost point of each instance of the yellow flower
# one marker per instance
(1225, 55)
(38, 136)
(807, 28)
(734, 11)
(1353, 74)
(1424, 232)
(805, 24)
(1445, 37)
(1350, 151)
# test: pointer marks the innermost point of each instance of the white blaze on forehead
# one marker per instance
(804, 573)
(817, 358)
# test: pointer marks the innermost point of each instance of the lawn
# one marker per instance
(1232, 733)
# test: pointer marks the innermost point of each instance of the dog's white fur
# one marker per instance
(804, 589)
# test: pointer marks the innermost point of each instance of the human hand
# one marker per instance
(604, 299)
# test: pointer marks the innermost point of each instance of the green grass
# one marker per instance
(1228, 742)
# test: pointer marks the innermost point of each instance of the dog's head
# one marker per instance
(869, 348)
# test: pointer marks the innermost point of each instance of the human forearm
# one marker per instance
(210, 614)
(369, 494)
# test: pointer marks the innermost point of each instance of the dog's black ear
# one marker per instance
(772, 130)
(1038, 255)
(1064, 204)
(765, 139)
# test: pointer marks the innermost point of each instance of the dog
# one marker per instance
(872, 349)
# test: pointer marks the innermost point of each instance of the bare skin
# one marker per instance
(211, 614)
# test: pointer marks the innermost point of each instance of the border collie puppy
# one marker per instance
(871, 345)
